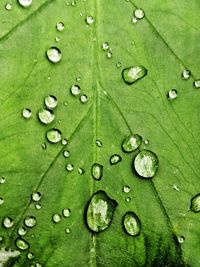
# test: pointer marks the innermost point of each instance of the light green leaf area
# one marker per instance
(165, 42)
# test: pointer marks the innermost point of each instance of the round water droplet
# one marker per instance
(26, 113)
(66, 153)
(126, 189)
(89, 20)
(83, 98)
(46, 116)
(81, 171)
(109, 54)
(195, 203)
(54, 54)
(172, 94)
(54, 136)
(128, 199)
(139, 13)
(64, 142)
(105, 46)
(22, 244)
(146, 164)
(131, 223)
(60, 26)
(2, 180)
(8, 6)
(66, 212)
(114, 159)
(186, 74)
(38, 206)
(131, 142)
(21, 231)
(197, 83)
(75, 90)
(132, 74)
(134, 20)
(99, 143)
(30, 255)
(67, 230)
(51, 101)
(1, 200)
(69, 167)
(8, 222)
(25, 3)
(97, 171)
(36, 196)
(181, 239)
(118, 65)
(30, 221)
(146, 141)
(56, 218)
(100, 211)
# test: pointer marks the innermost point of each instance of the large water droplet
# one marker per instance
(132, 224)
(54, 54)
(22, 244)
(195, 203)
(25, 3)
(46, 116)
(100, 211)
(21, 231)
(146, 164)
(186, 74)
(69, 167)
(132, 74)
(54, 136)
(56, 218)
(30, 221)
(8, 222)
(75, 90)
(131, 143)
(139, 13)
(89, 20)
(114, 159)
(26, 113)
(97, 171)
(51, 101)
(36, 196)
(60, 26)
(172, 94)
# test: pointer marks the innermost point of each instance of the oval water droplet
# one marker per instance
(114, 159)
(146, 141)
(66, 212)
(83, 98)
(90, 20)
(97, 171)
(105, 46)
(38, 206)
(54, 136)
(67, 230)
(109, 54)
(73, 3)
(100, 211)
(8, 7)
(197, 83)
(131, 223)
(66, 153)
(44, 146)
(186, 74)
(1, 200)
(56, 218)
(2, 180)
(81, 171)
(25, 3)
(46, 116)
(36, 196)
(21, 244)
(181, 239)
(50, 101)
(22, 231)
(69, 167)
(128, 199)
(131, 142)
(60, 26)
(195, 203)
(64, 142)
(26, 113)
(126, 189)
(30, 255)
(146, 164)
(8, 222)
(30, 221)
(139, 13)
(172, 94)
(54, 54)
(99, 143)
(134, 20)
(132, 74)
(75, 90)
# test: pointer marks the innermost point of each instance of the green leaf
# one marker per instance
(164, 42)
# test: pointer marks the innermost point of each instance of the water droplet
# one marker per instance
(195, 203)
(21, 231)
(38, 264)
(99, 143)
(60, 26)
(64, 142)
(8, 6)
(1, 238)
(73, 3)
(66, 212)
(54, 54)
(44, 145)
(89, 20)
(100, 211)
(172, 94)
(8, 222)
(36, 196)
(78, 79)
(46, 116)
(83, 98)
(30, 221)
(26, 113)
(132, 224)
(81, 171)
(69, 167)
(25, 3)
(186, 74)
(56, 218)
(75, 90)
(97, 171)
(38, 206)
(22, 244)
(197, 83)
(146, 141)
(131, 142)
(66, 153)
(105, 46)
(30, 255)
(67, 230)
(57, 39)
(181, 239)
(51, 101)
(54, 136)
(109, 54)
(114, 159)
(65, 103)
(126, 189)
(132, 74)
(128, 199)
(175, 187)
(146, 164)
(139, 13)
(2, 180)
(1, 200)
(118, 65)
(134, 20)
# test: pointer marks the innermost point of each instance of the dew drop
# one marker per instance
(8, 222)
(78, 79)
(83, 98)
(51, 101)
(25, 3)
(81, 171)
(131, 143)
(44, 146)
(54, 136)
(66, 153)
(181, 239)
(56, 218)
(132, 74)
(30, 255)
(118, 65)
(1, 238)
(146, 141)
(30, 221)
(8, 6)
(1, 200)
(60, 26)
(22, 244)
(139, 13)
(128, 199)
(2, 180)
(64, 142)
(146, 164)
(114, 159)
(175, 187)
(105, 46)
(73, 3)
(21, 231)
(126, 189)
(57, 39)
(38, 206)
(197, 83)
(195, 203)
(89, 20)
(99, 143)
(131, 223)
(54, 54)
(75, 90)
(100, 211)
(172, 94)
(26, 113)
(69, 167)
(67, 230)
(36, 196)
(186, 74)
(134, 20)
(66, 212)
(46, 116)
(97, 171)
(109, 54)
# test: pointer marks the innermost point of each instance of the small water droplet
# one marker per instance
(146, 164)
(38, 206)
(30, 221)
(139, 13)
(100, 211)
(75, 90)
(132, 74)
(175, 187)
(105, 46)
(67, 230)
(172, 94)
(146, 141)
(21, 231)
(57, 39)
(8, 6)
(21, 244)
(109, 54)
(2, 180)
(197, 83)
(131, 223)
(66, 153)
(54, 54)
(46, 116)
(128, 199)
(54, 136)
(118, 65)
(25, 3)
(114, 159)
(1, 238)
(30, 255)
(38, 264)
(50, 101)
(126, 189)
(89, 20)
(134, 20)
(69, 167)
(56, 218)
(60, 26)
(195, 203)
(181, 239)
(99, 143)
(131, 143)
(81, 171)
(44, 145)
(83, 98)
(78, 79)
(186, 74)
(97, 171)
(64, 142)
(73, 3)
(26, 113)
(66, 212)
(1, 200)
(36, 196)
(8, 222)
